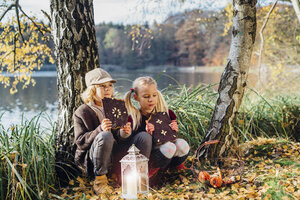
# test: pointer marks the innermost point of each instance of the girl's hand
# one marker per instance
(106, 124)
(149, 127)
(174, 125)
(127, 128)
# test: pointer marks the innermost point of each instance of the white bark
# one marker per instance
(234, 79)
(296, 5)
(76, 51)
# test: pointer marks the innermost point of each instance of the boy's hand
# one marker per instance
(149, 127)
(174, 125)
(106, 124)
(127, 128)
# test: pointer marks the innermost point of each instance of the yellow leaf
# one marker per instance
(71, 182)
(212, 191)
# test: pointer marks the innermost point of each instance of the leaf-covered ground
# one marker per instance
(271, 171)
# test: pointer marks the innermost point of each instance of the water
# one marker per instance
(29, 102)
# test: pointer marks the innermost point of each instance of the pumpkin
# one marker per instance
(203, 176)
(216, 181)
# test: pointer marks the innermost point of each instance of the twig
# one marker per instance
(14, 51)
(33, 22)
(8, 9)
(18, 19)
(47, 15)
(262, 37)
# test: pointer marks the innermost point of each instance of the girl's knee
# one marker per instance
(168, 149)
(104, 136)
(182, 147)
(144, 138)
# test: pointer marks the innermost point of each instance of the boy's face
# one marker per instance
(147, 96)
(104, 90)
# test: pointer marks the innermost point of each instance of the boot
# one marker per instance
(100, 185)
(181, 166)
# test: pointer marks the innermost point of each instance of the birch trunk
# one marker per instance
(76, 51)
(233, 80)
(296, 5)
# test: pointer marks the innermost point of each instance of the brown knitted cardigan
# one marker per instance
(86, 128)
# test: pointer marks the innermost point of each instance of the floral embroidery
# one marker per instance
(163, 132)
(116, 112)
(158, 121)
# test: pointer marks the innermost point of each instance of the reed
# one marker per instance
(259, 115)
(193, 107)
(27, 162)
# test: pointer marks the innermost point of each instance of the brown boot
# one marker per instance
(100, 185)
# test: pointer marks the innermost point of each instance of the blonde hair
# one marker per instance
(89, 94)
(132, 110)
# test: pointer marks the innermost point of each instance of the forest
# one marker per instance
(194, 38)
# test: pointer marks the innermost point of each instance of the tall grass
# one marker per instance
(259, 116)
(27, 163)
(277, 116)
(193, 107)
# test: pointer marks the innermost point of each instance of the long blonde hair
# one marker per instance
(135, 112)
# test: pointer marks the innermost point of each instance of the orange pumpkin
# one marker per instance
(216, 181)
(203, 176)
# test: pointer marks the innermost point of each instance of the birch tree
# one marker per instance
(76, 52)
(233, 80)
(296, 5)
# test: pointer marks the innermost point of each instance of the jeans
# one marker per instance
(101, 151)
(106, 152)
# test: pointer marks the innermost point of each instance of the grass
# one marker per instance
(27, 161)
(27, 152)
(259, 116)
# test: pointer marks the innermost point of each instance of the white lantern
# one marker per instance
(134, 172)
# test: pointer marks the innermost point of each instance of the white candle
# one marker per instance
(131, 180)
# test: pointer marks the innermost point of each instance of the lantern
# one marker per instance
(134, 172)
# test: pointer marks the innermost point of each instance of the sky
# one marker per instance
(129, 11)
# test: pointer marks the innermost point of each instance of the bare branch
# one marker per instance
(14, 51)
(8, 9)
(47, 15)
(18, 19)
(39, 28)
(262, 37)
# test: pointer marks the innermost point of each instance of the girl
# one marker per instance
(96, 145)
(151, 100)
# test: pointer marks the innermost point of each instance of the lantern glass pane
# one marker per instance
(130, 183)
(142, 171)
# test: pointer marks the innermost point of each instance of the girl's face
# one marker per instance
(104, 90)
(147, 96)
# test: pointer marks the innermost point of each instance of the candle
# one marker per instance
(131, 180)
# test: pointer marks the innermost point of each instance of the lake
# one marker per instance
(29, 102)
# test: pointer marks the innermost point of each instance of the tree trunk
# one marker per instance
(76, 52)
(296, 5)
(233, 80)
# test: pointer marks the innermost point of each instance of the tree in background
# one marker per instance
(281, 48)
